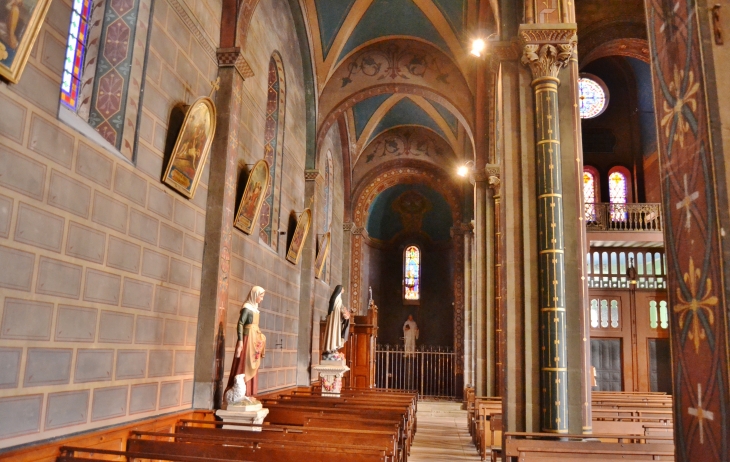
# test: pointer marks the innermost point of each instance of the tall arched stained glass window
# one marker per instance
(273, 151)
(589, 194)
(75, 52)
(593, 96)
(618, 190)
(412, 275)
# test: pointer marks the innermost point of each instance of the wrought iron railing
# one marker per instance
(428, 370)
(623, 217)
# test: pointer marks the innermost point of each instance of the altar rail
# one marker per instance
(429, 370)
(623, 217)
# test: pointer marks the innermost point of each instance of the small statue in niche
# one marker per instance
(338, 327)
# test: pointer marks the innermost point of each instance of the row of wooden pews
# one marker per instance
(626, 426)
(359, 426)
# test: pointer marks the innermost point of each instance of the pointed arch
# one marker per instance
(273, 150)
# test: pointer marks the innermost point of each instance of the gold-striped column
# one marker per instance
(546, 51)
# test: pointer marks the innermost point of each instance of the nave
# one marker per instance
(443, 434)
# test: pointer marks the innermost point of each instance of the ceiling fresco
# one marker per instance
(409, 209)
(398, 73)
(415, 143)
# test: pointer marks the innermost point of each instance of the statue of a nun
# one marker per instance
(338, 326)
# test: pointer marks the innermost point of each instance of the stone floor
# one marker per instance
(442, 434)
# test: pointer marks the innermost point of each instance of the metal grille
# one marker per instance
(429, 370)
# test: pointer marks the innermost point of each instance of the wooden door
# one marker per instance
(611, 319)
(653, 363)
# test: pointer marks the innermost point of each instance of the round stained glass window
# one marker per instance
(593, 96)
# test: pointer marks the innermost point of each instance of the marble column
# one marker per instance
(210, 340)
(546, 50)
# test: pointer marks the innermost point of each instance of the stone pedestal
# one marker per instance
(246, 414)
(330, 376)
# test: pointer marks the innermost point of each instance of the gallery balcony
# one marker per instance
(624, 225)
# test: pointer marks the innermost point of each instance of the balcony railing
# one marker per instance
(623, 217)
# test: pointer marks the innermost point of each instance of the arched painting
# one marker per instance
(253, 197)
(20, 23)
(191, 148)
(300, 234)
(324, 249)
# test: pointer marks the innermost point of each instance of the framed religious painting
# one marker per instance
(192, 146)
(253, 197)
(20, 23)
(300, 234)
(324, 250)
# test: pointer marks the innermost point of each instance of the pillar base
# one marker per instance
(330, 376)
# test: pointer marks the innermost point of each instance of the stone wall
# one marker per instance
(101, 263)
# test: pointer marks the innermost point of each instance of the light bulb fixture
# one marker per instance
(477, 47)
(465, 169)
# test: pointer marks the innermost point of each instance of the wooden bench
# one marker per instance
(358, 437)
(544, 447)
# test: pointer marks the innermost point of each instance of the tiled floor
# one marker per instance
(442, 434)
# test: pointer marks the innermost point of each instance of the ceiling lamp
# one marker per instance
(478, 46)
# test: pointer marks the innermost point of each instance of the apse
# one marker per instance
(401, 218)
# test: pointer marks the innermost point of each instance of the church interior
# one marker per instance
(256, 230)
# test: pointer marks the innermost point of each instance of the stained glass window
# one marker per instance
(618, 193)
(589, 195)
(273, 150)
(75, 51)
(593, 98)
(412, 277)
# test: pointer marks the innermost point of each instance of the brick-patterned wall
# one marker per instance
(101, 263)
(323, 287)
(254, 263)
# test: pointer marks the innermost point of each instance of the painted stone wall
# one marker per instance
(253, 262)
(101, 263)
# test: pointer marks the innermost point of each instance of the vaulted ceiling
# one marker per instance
(399, 74)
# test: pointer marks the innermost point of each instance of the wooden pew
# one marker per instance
(256, 446)
(544, 447)
(332, 406)
(382, 439)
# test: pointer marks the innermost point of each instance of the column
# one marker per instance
(458, 232)
(493, 174)
(480, 272)
(346, 254)
(210, 340)
(546, 50)
(312, 182)
(468, 310)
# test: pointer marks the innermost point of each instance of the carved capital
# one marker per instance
(232, 57)
(348, 226)
(359, 231)
(480, 176)
(547, 48)
(460, 228)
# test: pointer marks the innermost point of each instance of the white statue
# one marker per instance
(410, 335)
(237, 394)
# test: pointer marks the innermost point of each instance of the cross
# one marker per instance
(215, 86)
(700, 414)
(687, 202)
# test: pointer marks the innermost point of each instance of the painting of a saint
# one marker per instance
(300, 234)
(253, 197)
(191, 148)
(319, 262)
(20, 22)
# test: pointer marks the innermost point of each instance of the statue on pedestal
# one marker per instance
(410, 335)
(338, 326)
(250, 349)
